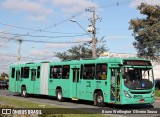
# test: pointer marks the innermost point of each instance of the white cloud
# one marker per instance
(3, 45)
(135, 3)
(117, 37)
(58, 45)
(72, 6)
(37, 18)
(83, 39)
(41, 9)
(40, 53)
(63, 46)
(36, 9)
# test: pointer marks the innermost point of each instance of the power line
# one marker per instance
(44, 58)
(73, 16)
(24, 28)
(41, 36)
(81, 12)
(56, 24)
(43, 30)
(25, 57)
(35, 41)
(116, 4)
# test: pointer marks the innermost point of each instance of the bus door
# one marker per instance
(17, 83)
(115, 85)
(33, 81)
(75, 81)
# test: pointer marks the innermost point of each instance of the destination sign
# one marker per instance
(137, 63)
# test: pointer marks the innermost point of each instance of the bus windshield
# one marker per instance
(138, 78)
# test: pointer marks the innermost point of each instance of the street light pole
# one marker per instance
(92, 29)
(72, 20)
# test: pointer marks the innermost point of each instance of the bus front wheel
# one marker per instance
(99, 99)
(59, 95)
(23, 92)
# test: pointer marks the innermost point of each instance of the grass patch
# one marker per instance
(15, 103)
(21, 103)
(157, 93)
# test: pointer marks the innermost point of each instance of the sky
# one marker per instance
(45, 27)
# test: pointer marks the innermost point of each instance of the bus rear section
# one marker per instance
(25, 78)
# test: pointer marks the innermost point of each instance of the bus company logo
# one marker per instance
(6, 111)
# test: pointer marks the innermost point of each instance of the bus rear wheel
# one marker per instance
(23, 92)
(99, 99)
(59, 95)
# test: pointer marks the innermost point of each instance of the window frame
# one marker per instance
(59, 72)
(87, 74)
(66, 74)
(100, 70)
(13, 73)
(38, 72)
(24, 72)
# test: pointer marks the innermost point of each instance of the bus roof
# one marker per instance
(82, 61)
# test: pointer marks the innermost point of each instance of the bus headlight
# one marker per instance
(126, 94)
(152, 94)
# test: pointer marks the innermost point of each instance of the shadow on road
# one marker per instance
(90, 103)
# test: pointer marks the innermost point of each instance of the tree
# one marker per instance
(82, 51)
(147, 31)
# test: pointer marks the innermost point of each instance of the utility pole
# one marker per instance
(94, 53)
(19, 49)
(93, 30)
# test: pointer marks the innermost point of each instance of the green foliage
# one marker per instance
(147, 31)
(82, 51)
(157, 93)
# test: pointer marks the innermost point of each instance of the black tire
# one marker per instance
(100, 99)
(59, 95)
(24, 92)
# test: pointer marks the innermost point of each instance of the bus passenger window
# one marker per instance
(33, 75)
(22, 72)
(101, 71)
(38, 72)
(65, 72)
(13, 72)
(88, 71)
(26, 72)
(57, 72)
(81, 72)
(51, 72)
(74, 76)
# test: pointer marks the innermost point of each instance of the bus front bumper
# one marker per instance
(146, 100)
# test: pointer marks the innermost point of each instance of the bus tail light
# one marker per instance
(126, 94)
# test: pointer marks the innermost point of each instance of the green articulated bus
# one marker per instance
(103, 80)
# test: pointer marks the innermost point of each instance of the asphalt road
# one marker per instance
(84, 105)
